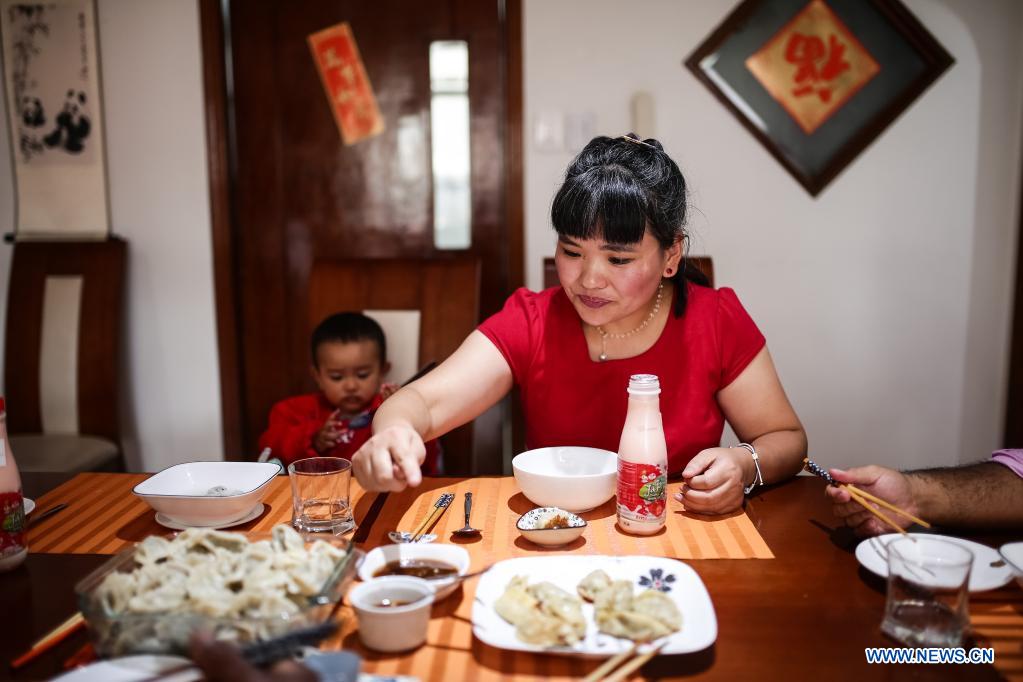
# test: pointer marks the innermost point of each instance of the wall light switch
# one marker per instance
(549, 131)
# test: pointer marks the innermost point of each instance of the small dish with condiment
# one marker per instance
(550, 526)
(393, 612)
(439, 564)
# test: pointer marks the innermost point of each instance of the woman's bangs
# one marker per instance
(610, 208)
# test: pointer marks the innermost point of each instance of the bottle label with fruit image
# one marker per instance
(642, 491)
(12, 523)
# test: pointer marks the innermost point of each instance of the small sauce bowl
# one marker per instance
(393, 612)
(534, 526)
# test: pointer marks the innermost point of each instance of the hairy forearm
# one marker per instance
(982, 494)
(407, 407)
(781, 453)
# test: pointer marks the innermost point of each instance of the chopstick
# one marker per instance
(610, 664)
(887, 505)
(87, 654)
(434, 515)
(50, 639)
(627, 669)
(854, 494)
(37, 518)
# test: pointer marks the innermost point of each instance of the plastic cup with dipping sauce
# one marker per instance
(393, 612)
(320, 495)
(928, 592)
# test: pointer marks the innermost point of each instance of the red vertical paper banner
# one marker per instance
(346, 83)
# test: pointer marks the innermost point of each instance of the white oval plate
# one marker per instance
(168, 522)
(29, 505)
(983, 576)
(683, 585)
(131, 669)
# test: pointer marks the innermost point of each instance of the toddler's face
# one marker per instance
(349, 374)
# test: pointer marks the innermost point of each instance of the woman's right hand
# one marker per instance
(390, 460)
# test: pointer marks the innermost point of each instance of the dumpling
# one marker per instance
(593, 584)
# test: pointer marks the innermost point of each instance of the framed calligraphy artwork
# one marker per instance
(344, 78)
(816, 81)
(55, 118)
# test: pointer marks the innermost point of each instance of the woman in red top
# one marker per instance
(627, 304)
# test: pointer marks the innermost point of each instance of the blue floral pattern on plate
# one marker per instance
(657, 580)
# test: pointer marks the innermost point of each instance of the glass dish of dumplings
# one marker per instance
(241, 587)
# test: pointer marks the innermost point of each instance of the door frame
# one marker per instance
(220, 159)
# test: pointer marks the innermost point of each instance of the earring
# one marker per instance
(669, 271)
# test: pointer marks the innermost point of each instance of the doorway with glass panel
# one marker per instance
(441, 181)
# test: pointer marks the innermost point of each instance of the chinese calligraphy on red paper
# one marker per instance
(347, 85)
(813, 65)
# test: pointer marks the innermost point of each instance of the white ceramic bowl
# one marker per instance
(1013, 555)
(574, 478)
(534, 526)
(207, 493)
(450, 554)
(392, 628)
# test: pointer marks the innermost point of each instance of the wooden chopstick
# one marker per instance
(610, 664)
(50, 639)
(886, 505)
(434, 514)
(634, 664)
(854, 493)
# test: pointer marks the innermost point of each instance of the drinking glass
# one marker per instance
(319, 495)
(928, 591)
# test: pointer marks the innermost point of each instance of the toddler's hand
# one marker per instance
(388, 389)
(328, 435)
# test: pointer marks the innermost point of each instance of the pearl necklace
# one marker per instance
(605, 335)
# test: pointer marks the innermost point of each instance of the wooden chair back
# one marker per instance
(445, 292)
(64, 315)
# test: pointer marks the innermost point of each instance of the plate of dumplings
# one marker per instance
(593, 606)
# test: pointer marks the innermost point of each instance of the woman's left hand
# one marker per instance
(715, 479)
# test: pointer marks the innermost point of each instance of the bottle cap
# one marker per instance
(644, 384)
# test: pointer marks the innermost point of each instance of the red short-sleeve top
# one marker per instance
(569, 399)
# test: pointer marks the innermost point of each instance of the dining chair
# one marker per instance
(62, 353)
(426, 308)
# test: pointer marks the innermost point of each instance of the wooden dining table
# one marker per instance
(808, 612)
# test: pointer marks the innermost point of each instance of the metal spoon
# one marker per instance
(468, 531)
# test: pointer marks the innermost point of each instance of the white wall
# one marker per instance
(151, 64)
(885, 300)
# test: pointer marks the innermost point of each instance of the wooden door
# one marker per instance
(298, 194)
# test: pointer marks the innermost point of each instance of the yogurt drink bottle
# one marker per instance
(642, 460)
(12, 510)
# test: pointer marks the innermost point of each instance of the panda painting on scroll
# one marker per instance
(51, 74)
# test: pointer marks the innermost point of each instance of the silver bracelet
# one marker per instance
(759, 478)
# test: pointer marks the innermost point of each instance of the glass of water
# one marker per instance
(928, 592)
(320, 495)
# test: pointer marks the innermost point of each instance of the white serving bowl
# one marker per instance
(450, 554)
(577, 479)
(1013, 555)
(207, 493)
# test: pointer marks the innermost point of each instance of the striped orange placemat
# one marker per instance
(104, 517)
(497, 505)
(997, 619)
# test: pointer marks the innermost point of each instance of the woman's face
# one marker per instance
(612, 285)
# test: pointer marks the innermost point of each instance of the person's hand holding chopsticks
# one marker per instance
(887, 484)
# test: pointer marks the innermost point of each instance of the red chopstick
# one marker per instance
(87, 654)
(51, 639)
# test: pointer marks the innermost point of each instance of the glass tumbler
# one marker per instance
(320, 495)
(928, 592)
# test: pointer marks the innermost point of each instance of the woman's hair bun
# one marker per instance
(654, 143)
